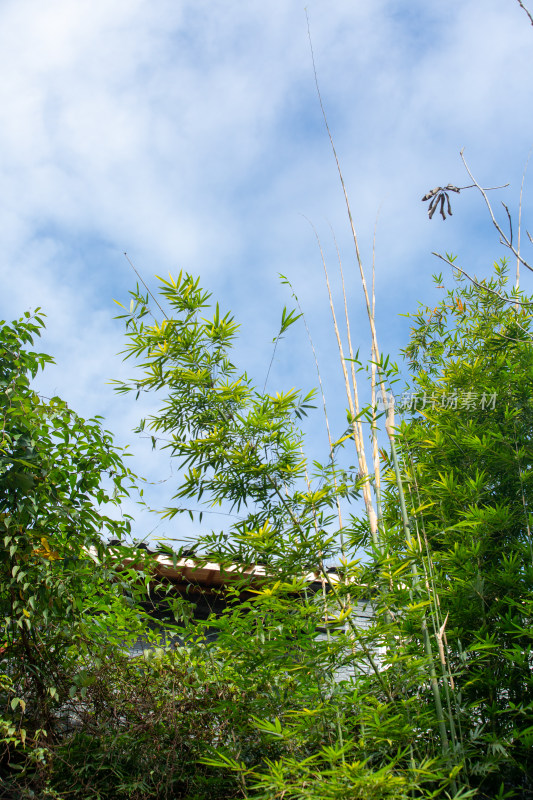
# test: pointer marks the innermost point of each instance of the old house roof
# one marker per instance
(199, 574)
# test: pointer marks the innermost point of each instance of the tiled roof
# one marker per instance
(199, 572)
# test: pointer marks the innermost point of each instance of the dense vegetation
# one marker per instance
(438, 701)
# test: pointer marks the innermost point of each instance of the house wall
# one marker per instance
(205, 605)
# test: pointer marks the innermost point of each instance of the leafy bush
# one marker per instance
(290, 699)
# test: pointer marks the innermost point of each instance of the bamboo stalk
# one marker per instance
(326, 418)
(374, 427)
(389, 426)
(353, 405)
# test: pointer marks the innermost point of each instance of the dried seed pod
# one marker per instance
(449, 205)
(440, 199)
(432, 193)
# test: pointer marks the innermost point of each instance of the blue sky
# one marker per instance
(189, 135)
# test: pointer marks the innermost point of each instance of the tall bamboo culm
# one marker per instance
(372, 501)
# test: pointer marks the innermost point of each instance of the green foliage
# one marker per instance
(467, 456)
(238, 446)
(144, 725)
(61, 599)
(281, 695)
(243, 448)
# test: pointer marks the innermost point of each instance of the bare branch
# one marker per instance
(520, 219)
(510, 222)
(130, 262)
(503, 238)
(522, 6)
(511, 300)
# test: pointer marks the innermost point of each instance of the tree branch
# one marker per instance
(522, 6)
(512, 300)
(503, 238)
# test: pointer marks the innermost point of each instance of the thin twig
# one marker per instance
(520, 220)
(510, 222)
(330, 440)
(128, 259)
(511, 300)
(488, 189)
(271, 360)
(503, 238)
(522, 6)
(354, 234)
